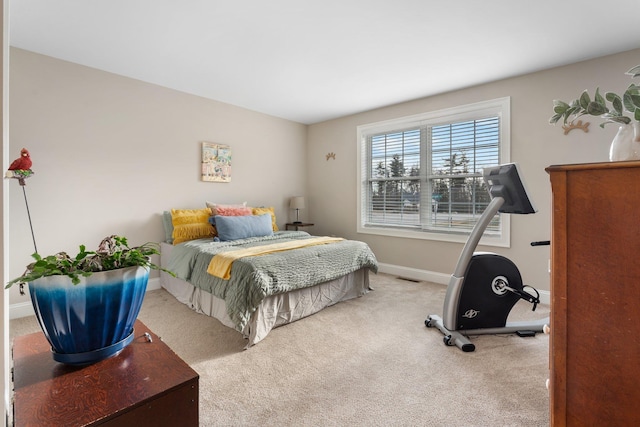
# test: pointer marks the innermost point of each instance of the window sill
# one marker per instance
(426, 235)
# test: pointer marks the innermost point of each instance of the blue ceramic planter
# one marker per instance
(93, 320)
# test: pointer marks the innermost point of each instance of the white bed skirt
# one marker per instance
(275, 310)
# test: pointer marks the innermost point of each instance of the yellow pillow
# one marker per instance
(190, 224)
(261, 211)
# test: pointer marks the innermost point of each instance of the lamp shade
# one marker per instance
(296, 202)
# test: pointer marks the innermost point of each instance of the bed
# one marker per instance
(303, 276)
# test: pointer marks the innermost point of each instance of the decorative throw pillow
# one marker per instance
(168, 226)
(242, 227)
(232, 210)
(271, 211)
(190, 224)
(214, 206)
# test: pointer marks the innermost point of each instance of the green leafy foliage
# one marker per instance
(112, 253)
(612, 107)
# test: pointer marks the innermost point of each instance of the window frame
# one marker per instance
(500, 107)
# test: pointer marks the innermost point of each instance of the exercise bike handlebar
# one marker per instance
(541, 243)
(476, 234)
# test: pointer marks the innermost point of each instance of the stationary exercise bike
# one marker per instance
(485, 286)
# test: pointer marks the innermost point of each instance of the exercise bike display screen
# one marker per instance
(504, 181)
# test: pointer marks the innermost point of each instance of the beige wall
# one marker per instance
(534, 144)
(111, 153)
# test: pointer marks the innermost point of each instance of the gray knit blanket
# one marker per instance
(254, 278)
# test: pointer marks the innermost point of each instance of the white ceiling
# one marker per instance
(311, 61)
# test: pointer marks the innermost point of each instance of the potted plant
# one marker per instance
(613, 108)
(87, 304)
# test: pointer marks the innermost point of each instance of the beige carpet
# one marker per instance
(366, 362)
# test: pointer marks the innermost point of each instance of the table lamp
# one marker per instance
(297, 203)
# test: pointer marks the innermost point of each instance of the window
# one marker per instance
(421, 176)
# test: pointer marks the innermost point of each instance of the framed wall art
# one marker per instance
(216, 162)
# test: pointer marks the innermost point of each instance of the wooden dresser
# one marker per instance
(147, 384)
(595, 295)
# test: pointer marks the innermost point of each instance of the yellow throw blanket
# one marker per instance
(220, 265)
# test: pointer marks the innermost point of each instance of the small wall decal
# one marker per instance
(331, 155)
(578, 125)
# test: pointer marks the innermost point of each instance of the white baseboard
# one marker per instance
(435, 277)
(22, 309)
(154, 283)
(545, 297)
(25, 309)
(414, 273)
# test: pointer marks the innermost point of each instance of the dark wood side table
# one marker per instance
(147, 384)
(296, 225)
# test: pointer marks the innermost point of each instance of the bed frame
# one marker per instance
(275, 310)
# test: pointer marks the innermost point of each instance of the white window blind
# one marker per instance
(422, 175)
(394, 182)
(459, 151)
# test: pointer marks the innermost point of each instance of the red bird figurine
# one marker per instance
(23, 162)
